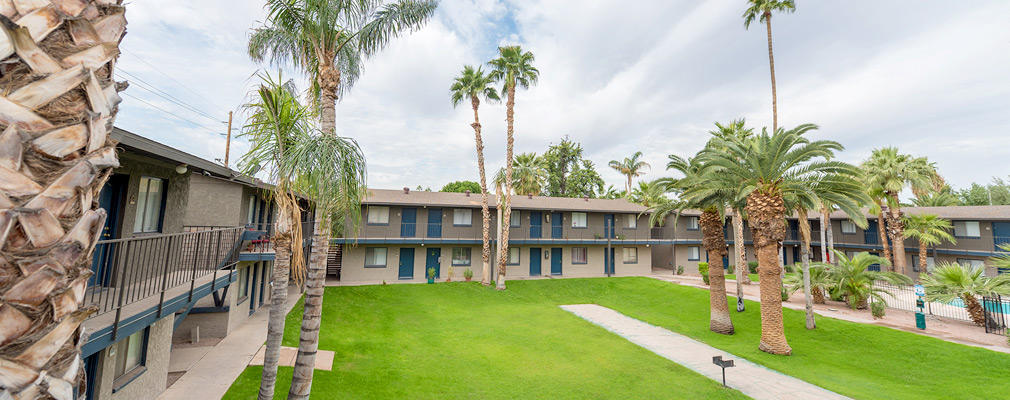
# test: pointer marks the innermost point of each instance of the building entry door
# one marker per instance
(406, 263)
(535, 262)
(433, 261)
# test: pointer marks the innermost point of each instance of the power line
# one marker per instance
(172, 113)
(165, 95)
(174, 80)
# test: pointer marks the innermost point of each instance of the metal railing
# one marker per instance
(996, 314)
(134, 269)
(903, 298)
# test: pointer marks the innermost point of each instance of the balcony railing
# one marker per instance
(127, 271)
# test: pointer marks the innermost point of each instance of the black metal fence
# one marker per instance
(127, 271)
(903, 298)
(996, 310)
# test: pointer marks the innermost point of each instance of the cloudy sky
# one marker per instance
(926, 77)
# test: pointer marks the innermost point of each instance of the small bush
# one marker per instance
(468, 273)
(680, 270)
(785, 293)
(703, 270)
(837, 295)
(731, 269)
(877, 309)
(431, 273)
(753, 267)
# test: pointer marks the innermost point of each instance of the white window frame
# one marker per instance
(378, 215)
(462, 251)
(462, 217)
(848, 227)
(580, 220)
(580, 255)
(149, 216)
(376, 251)
(696, 250)
(630, 255)
(514, 256)
(693, 223)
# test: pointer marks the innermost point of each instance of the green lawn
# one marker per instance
(732, 277)
(462, 340)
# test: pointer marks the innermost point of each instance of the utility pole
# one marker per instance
(227, 143)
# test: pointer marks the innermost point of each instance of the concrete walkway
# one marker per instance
(753, 380)
(210, 377)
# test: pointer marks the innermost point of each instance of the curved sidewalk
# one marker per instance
(753, 380)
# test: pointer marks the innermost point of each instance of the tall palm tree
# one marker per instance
(473, 85)
(853, 278)
(890, 172)
(879, 207)
(953, 281)
(713, 205)
(762, 10)
(328, 40)
(632, 167)
(60, 102)
(513, 68)
(929, 230)
(765, 170)
(737, 130)
(276, 122)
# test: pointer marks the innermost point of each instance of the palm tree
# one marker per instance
(935, 199)
(713, 205)
(929, 230)
(528, 174)
(276, 122)
(55, 155)
(473, 85)
(879, 207)
(328, 40)
(951, 281)
(650, 194)
(761, 10)
(854, 280)
(612, 193)
(765, 170)
(512, 68)
(820, 283)
(631, 167)
(890, 172)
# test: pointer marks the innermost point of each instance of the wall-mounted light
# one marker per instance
(547, 255)
(181, 169)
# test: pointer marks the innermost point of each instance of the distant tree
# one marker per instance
(761, 10)
(936, 199)
(995, 193)
(568, 174)
(630, 167)
(611, 193)
(650, 193)
(460, 187)
(928, 230)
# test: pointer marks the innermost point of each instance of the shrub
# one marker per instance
(785, 293)
(431, 273)
(703, 270)
(468, 273)
(680, 270)
(753, 267)
(731, 269)
(877, 309)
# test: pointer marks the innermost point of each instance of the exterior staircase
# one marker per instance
(333, 259)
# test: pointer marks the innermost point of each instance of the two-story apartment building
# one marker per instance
(404, 233)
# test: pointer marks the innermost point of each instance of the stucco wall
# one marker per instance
(353, 264)
(151, 382)
(219, 324)
(214, 202)
(176, 198)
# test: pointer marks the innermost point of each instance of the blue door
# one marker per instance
(556, 261)
(608, 226)
(536, 229)
(406, 263)
(870, 234)
(1000, 234)
(725, 262)
(535, 261)
(434, 254)
(556, 230)
(608, 262)
(108, 199)
(408, 222)
(434, 222)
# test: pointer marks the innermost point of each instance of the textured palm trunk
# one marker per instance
(507, 213)
(714, 240)
(974, 308)
(882, 232)
(740, 248)
(818, 295)
(831, 236)
(896, 231)
(278, 296)
(771, 66)
(808, 300)
(923, 262)
(57, 107)
(500, 227)
(485, 212)
(766, 215)
(824, 235)
(308, 340)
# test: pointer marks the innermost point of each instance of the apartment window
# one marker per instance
(515, 220)
(251, 215)
(243, 283)
(967, 229)
(149, 205)
(462, 217)
(631, 255)
(693, 253)
(375, 257)
(848, 254)
(461, 256)
(378, 215)
(513, 256)
(579, 255)
(578, 220)
(848, 227)
(130, 356)
(970, 262)
(692, 224)
(631, 221)
(930, 263)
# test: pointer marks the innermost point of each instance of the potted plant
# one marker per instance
(468, 274)
(431, 275)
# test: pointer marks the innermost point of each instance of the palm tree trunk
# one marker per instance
(923, 262)
(507, 215)
(501, 227)
(975, 311)
(278, 296)
(739, 247)
(771, 65)
(896, 230)
(824, 236)
(55, 156)
(882, 232)
(715, 244)
(808, 300)
(766, 215)
(308, 341)
(629, 185)
(485, 213)
(831, 235)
